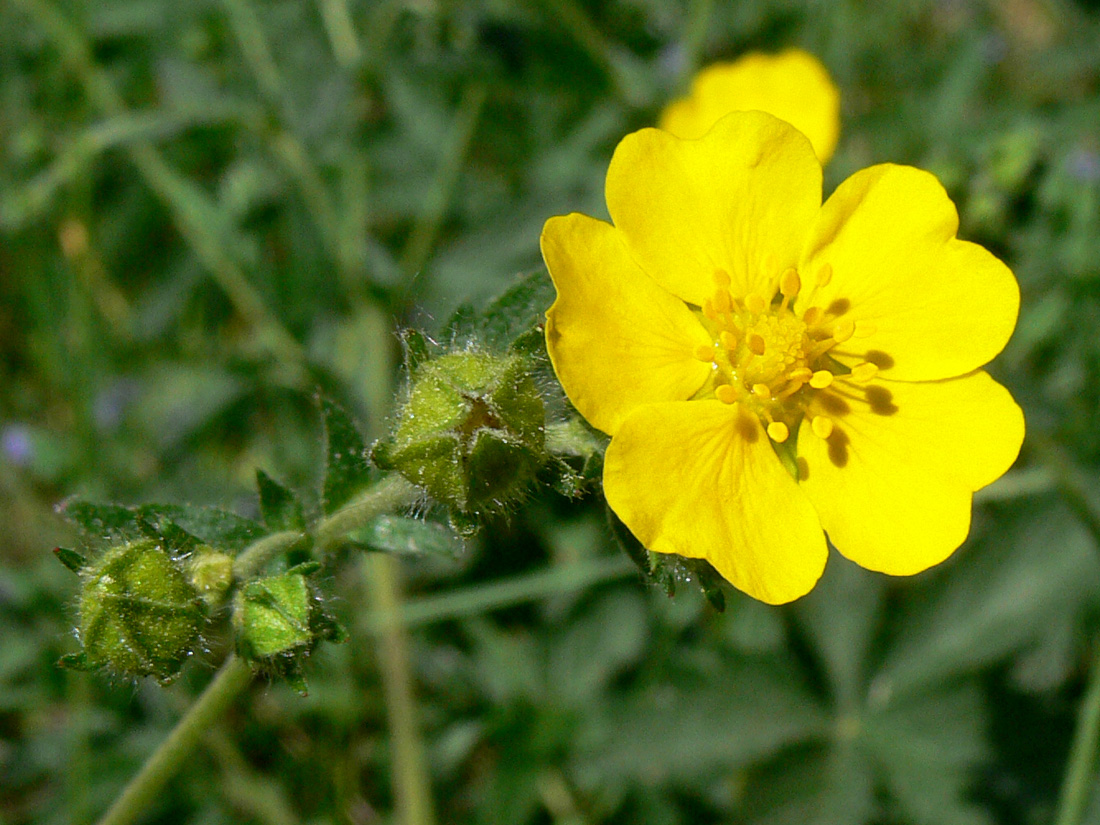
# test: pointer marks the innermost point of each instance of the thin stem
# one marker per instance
(340, 29)
(1080, 774)
(231, 680)
(506, 593)
(411, 785)
(391, 493)
(253, 558)
(426, 231)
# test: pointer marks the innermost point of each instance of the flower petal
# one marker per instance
(616, 339)
(935, 307)
(792, 85)
(893, 482)
(741, 199)
(701, 479)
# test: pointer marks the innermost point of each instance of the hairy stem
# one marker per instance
(231, 680)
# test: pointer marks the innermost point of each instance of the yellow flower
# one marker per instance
(792, 85)
(769, 367)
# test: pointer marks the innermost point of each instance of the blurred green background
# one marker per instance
(210, 210)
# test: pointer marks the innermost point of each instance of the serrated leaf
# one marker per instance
(221, 529)
(347, 469)
(416, 348)
(107, 521)
(926, 749)
(996, 598)
(608, 637)
(70, 558)
(840, 617)
(739, 713)
(408, 536)
(278, 505)
(517, 310)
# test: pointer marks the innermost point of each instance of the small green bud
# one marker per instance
(210, 573)
(139, 615)
(471, 432)
(272, 616)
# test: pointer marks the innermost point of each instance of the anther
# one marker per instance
(721, 279)
(824, 275)
(778, 432)
(756, 344)
(821, 379)
(864, 372)
(704, 353)
(722, 302)
(755, 303)
(708, 309)
(726, 393)
(802, 374)
(762, 391)
(822, 426)
(727, 339)
(812, 316)
(843, 331)
(865, 329)
(790, 283)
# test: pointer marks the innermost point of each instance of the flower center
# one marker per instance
(773, 361)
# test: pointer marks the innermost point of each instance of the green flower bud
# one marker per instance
(139, 614)
(471, 432)
(272, 616)
(210, 573)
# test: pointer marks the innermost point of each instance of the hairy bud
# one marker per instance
(139, 613)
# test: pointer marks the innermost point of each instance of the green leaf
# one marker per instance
(70, 558)
(416, 348)
(279, 507)
(517, 310)
(347, 469)
(840, 617)
(221, 529)
(107, 521)
(408, 536)
(607, 638)
(996, 597)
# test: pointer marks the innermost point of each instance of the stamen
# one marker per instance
(727, 339)
(822, 426)
(802, 374)
(722, 302)
(812, 315)
(861, 373)
(865, 329)
(790, 283)
(704, 353)
(843, 331)
(821, 379)
(756, 343)
(721, 279)
(824, 275)
(708, 309)
(755, 303)
(778, 432)
(762, 391)
(726, 393)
